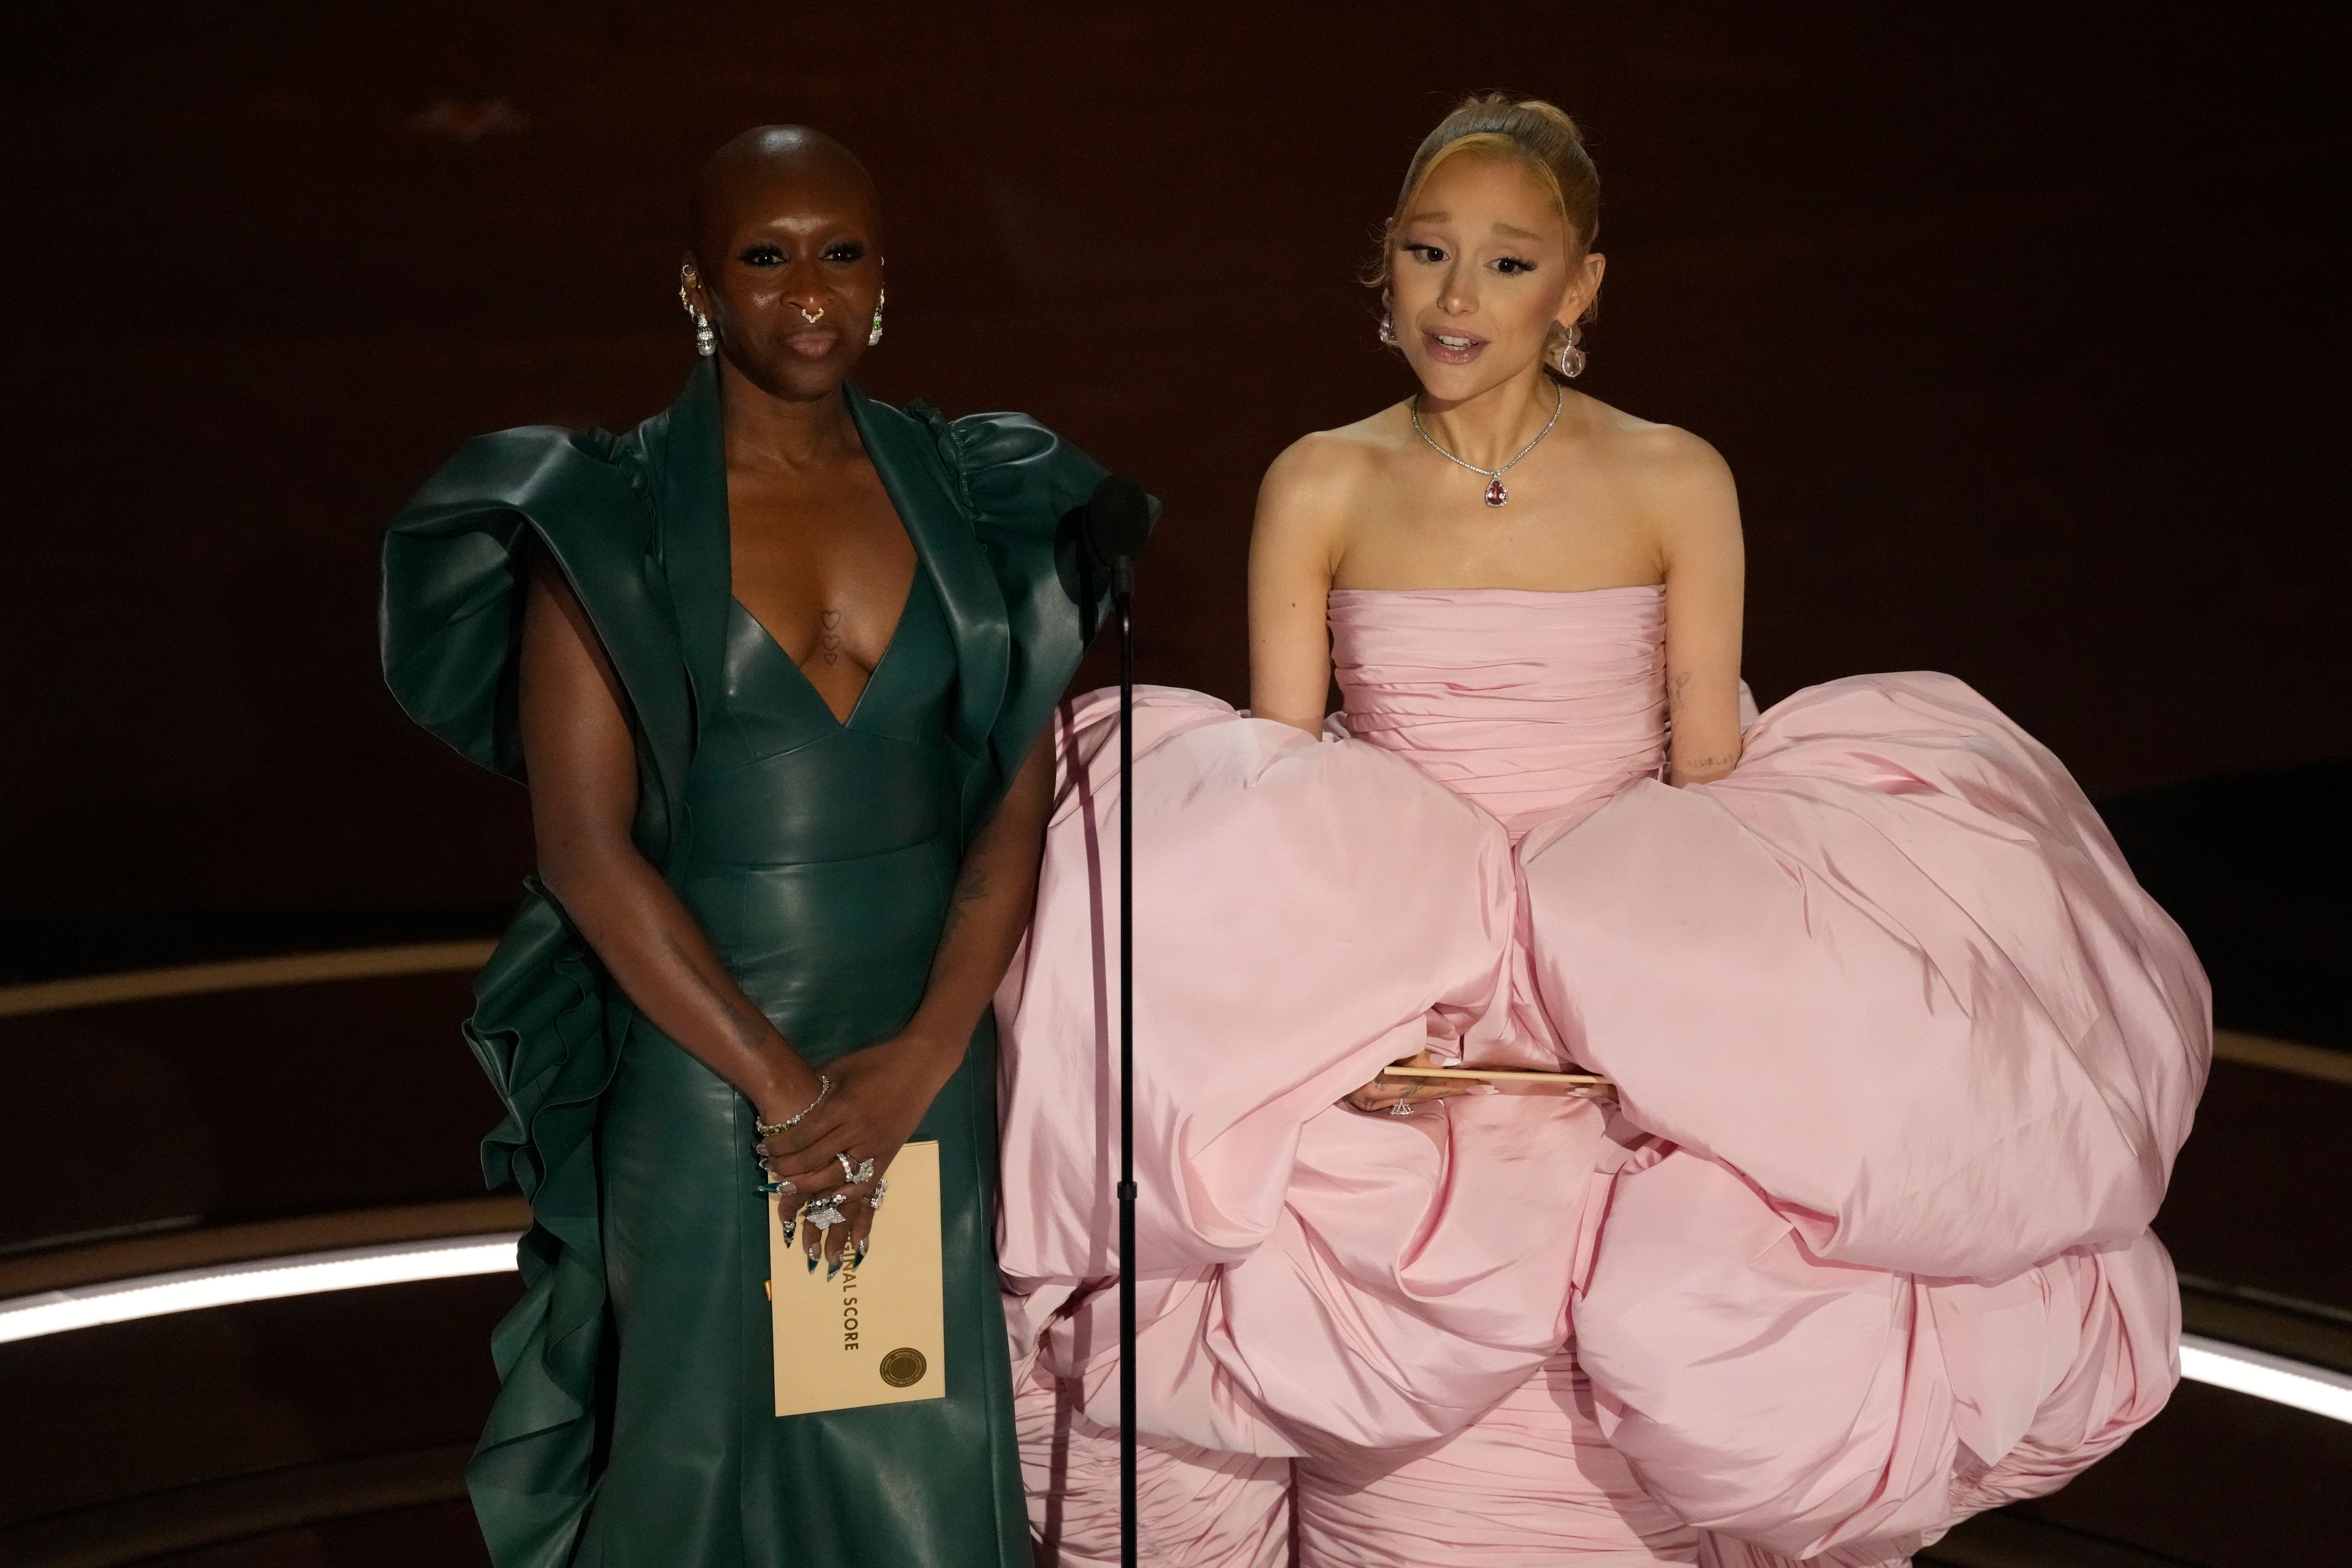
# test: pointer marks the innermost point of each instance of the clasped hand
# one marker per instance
(1384, 1095)
(879, 1095)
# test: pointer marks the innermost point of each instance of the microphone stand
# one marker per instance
(1122, 603)
(1105, 534)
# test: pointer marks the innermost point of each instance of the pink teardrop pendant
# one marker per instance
(1495, 494)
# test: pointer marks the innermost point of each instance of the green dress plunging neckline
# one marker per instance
(737, 608)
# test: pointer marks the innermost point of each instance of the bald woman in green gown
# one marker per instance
(777, 665)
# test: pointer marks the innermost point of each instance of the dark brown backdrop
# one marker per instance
(2023, 334)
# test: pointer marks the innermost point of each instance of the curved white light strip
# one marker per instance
(2256, 1373)
(264, 1280)
(2266, 1376)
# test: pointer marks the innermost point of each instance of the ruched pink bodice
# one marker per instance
(1529, 704)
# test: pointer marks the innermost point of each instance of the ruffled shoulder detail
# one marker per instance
(1018, 481)
(449, 620)
(1016, 477)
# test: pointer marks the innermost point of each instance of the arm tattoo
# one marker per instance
(1674, 689)
(972, 886)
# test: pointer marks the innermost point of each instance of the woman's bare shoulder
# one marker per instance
(1648, 452)
(1674, 486)
(1324, 461)
(1677, 483)
(1320, 475)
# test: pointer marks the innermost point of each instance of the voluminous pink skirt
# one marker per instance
(1903, 1056)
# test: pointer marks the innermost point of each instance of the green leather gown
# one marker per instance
(633, 1426)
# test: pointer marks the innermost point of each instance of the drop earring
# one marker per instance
(874, 333)
(1388, 329)
(1569, 360)
(706, 341)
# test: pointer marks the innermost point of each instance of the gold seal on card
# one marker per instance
(904, 1367)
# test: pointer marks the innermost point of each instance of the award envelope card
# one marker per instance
(870, 1335)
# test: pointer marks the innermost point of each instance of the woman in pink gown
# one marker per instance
(1902, 1053)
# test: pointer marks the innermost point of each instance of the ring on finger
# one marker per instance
(881, 1190)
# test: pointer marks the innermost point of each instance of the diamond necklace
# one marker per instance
(1495, 494)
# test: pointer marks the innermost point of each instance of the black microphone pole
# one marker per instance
(1106, 533)
(1122, 603)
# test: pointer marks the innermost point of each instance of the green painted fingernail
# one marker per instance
(833, 1269)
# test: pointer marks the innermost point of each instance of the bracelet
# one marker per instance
(769, 1129)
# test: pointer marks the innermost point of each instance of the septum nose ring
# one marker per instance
(812, 317)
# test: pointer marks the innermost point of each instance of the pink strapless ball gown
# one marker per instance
(1904, 1052)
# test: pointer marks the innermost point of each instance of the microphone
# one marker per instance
(1100, 540)
(1113, 523)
